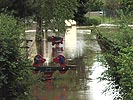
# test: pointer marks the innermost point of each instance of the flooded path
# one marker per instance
(79, 84)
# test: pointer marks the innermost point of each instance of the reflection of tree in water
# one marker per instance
(84, 63)
(82, 72)
(43, 90)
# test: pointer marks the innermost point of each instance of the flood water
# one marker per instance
(79, 84)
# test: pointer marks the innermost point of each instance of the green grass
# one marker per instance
(104, 19)
(111, 33)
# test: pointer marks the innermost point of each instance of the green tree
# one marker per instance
(85, 6)
(125, 6)
(13, 60)
(113, 7)
(18, 8)
(51, 15)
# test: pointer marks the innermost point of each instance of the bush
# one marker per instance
(120, 72)
(85, 21)
(13, 69)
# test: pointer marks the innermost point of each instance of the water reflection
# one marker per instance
(57, 89)
(71, 41)
(97, 87)
(47, 91)
(79, 84)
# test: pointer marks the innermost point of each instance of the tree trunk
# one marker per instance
(39, 37)
(46, 34)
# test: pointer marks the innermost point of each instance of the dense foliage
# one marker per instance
(51, 15)
(86, 21)
(118, 56)
(19, 8)
(13, 61)
(85, 6)
(112, 7)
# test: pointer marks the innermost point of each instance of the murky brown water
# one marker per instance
(79, 84)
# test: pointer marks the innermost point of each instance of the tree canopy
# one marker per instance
(19, 8)
(113, 7)
(85, 6)
(51, 15)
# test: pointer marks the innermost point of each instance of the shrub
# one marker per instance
(13, 62)
(85, 21)
(119, 73)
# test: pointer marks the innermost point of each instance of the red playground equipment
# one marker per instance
(38, 61)
(61, 66)
(56, 40)
(61, 60)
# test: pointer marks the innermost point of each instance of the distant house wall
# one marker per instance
(96, 13)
